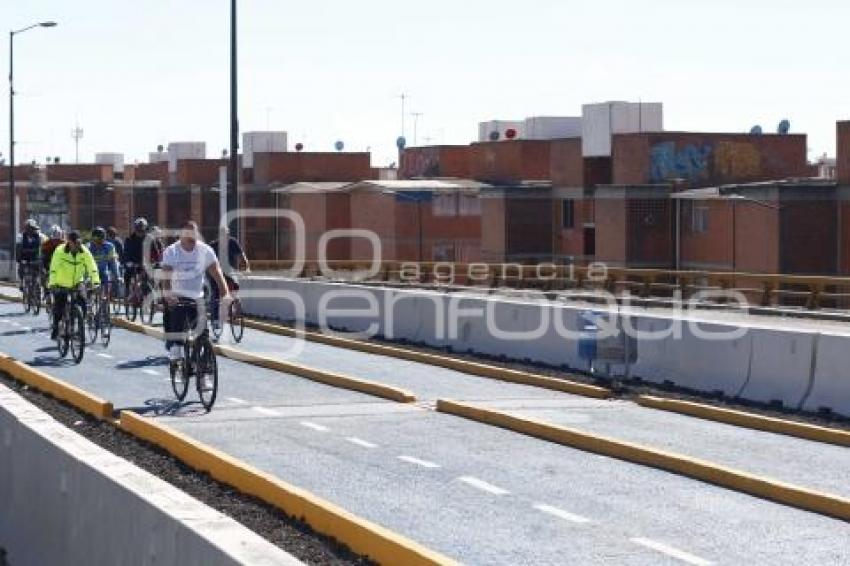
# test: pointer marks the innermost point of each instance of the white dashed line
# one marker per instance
(27, 329)
(561, 514)
(237, 401)
(418, 462)
(16, 324)
(362, 443)
(483, 485)
(267, 412)
(150, 372)
(107, 356)
(671, 552)
(314, 426)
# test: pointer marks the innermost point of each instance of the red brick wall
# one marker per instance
(202, 172)
(756, 238)
(317, 167)
(528, 234)
(510, 161)
(844, 234)
(567, 163)
(374, 211)
(493, 239)
(710, 250)
(152, 172)
(707, 159)
(597, 171)
(842, 151)
(435, 161)
(321, 213)
(81, 172)
(650, 234)
(611, 225)
(809, 241)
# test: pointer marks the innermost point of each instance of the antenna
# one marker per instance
(77, 135)
(416, 116)
(404, 98)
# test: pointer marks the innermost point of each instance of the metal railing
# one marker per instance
(810, 292)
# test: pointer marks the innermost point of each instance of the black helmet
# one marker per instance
(99, 233)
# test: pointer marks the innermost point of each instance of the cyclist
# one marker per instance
(235, 254)
(105, 257)
(112, 238)
(71, 265)
(157, 247)
(184, 265)
(29, 248)
(57, 238)
(134, 247)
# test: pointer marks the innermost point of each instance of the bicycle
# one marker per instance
(98, 319)
(72, 326)
(235, 317)
(31, 283)
(198, 360)
(140, 289)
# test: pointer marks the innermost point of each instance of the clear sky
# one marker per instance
(140, 73)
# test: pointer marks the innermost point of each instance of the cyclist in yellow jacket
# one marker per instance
(71, 265)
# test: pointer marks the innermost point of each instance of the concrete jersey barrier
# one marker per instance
(65, 500)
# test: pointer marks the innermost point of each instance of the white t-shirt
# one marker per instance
(188, 268)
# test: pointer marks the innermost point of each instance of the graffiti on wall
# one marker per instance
(737, 160)
(420, 162)
(690, 162)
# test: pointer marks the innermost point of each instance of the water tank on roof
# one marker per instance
(262, 142)
(783, 128)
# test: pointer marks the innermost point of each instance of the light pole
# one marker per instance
(12, 218)
(232, 198)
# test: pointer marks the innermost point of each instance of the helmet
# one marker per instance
(55, 232)
(31, 223)
(111, 232)
(99, 233)
(140, 223)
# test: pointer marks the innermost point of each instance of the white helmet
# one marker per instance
(55, 232)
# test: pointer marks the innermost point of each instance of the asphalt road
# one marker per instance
(477, 493)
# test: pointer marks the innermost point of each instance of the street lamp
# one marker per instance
(12, 219)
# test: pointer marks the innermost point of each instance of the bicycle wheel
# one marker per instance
(206, 372)
(27, 292)
(180, 375)
(35, 296)
(149, 308)
(93, 320)
(62, 337)
(48, 307)
(105, 324)
(77, 334)
(237, 321)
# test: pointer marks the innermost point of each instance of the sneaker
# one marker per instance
(175, 353)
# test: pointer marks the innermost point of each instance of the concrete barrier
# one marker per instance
(65, 500)
(762, 363)
(831, 388)
(783, 366)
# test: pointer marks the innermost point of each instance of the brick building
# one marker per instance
(435, 161)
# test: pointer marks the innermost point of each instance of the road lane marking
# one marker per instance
(107, 356)
(150, 372)
(16, 324)
(359, 442)
(671, 551)
(27, 329)
(267, 412)
(418, 462)
(483, 485)
(561, 514)
(314, 426)
(237, 401)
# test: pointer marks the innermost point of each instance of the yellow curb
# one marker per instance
(72, 395)
(362, 536)
(748, 420)
(473, 368)
(328, 378)
(765, 488)
(10, 298)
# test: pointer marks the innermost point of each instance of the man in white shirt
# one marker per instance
(184, 264)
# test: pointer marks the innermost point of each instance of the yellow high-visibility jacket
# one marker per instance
(69, 270)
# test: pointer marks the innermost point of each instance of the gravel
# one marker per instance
(291, 534)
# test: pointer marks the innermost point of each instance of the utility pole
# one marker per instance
(404, 98)
(232, 192)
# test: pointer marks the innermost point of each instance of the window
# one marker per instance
(469, 205)
(568, 220)
(445, 204)
(699, 219)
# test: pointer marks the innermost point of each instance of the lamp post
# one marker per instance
(232, 196)
(12, 219)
